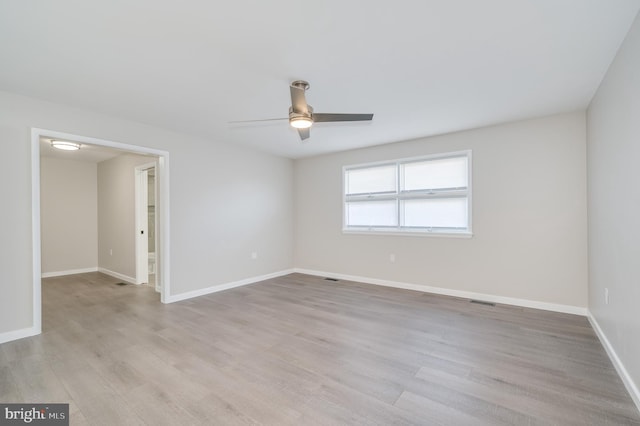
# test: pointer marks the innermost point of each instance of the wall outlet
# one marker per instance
(392, 258)
(110, 252)
(606, 295)
(254, 255)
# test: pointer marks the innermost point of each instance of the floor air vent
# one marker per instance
(482, 302)
(331, 279)
(121, 283)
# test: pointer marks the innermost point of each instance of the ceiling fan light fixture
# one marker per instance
(65, 146)
(301, 122)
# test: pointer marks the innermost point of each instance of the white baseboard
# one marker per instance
(117, 275)
(226, 286)
(18, 334)
(68, 272)
(567, 309)
(615, 360)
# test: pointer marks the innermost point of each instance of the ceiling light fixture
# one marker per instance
(66, 146)
(301, 122)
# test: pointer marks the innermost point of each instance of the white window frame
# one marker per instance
(399, 195)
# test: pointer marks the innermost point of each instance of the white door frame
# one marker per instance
(162, 206)
(142, 222)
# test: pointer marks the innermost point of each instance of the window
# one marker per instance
(430, 195)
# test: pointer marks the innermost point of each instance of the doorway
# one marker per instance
(146, 225)
(160, 219)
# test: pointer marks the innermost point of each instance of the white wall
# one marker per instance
(69, 215)
(226, 201)
(117, 214)
(614, 204)
(529, 216)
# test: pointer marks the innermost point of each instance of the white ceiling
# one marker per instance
(422, 67)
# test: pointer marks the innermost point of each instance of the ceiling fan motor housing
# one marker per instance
(308, 114)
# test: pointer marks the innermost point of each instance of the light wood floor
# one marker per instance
(304, 351)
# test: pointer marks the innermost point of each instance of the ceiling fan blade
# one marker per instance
(304, 133)
(328, 117)
(298, 101)
(256, 121)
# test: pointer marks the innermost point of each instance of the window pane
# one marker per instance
(371, 179)
(372, 213)
(435, 174)
(435, 212)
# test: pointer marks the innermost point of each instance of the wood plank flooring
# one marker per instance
(299, 350)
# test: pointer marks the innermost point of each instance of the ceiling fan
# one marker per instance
(301, 115)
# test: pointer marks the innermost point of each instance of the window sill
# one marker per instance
(412, 233)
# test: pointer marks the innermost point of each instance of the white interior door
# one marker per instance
(153, 227)
(142, 225)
